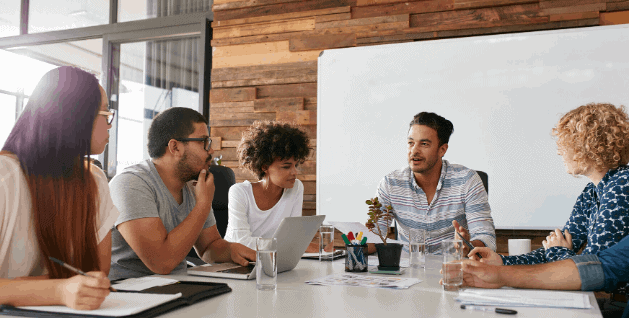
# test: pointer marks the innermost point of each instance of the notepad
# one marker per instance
(524, 298)
(115, 305)
(142, 283)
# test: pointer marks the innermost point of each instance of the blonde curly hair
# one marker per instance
(597, 134)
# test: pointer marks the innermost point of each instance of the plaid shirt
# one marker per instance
(460, 196)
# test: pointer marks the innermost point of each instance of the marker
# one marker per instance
(350, 236)
(491, 309)
(76, 270)
(359, 236)
(364, 241)
(345, 239)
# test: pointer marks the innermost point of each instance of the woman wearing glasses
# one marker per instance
(272, 151)
(53, 203)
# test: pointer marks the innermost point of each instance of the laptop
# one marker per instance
(293, 236)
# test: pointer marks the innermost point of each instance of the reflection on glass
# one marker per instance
(50, 15)
(7, 108)
(9, 18)
(131, 10)
(154, 76)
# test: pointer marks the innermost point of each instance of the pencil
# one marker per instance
(76, 270)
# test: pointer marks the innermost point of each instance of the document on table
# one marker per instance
(115, 305)
(142, 283)
(523, 298)
(346, 279)
(355, 227)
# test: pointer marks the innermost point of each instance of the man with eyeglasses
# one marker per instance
(163, 214)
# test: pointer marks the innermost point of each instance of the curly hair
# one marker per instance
(598, 134)
(266, 141)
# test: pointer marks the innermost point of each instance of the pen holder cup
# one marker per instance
(356, 258)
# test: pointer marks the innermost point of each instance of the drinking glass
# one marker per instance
(326, 243)
(417, 248)
(452, 268)
(266, 263)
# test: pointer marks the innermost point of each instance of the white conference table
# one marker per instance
(294, 298)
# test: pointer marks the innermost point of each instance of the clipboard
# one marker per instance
(191, 292)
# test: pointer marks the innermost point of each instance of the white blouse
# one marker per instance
(247, 222)
(19, 252)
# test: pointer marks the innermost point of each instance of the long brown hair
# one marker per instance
(51, 139)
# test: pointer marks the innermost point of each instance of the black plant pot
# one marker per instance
(389, 256)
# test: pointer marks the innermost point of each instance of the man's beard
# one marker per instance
(187, 173)
(429, 166)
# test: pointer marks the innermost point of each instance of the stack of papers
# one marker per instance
(142, 283)
(523, 298)
(346, 279)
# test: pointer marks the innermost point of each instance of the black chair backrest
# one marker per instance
(224, 178)
(483, 177)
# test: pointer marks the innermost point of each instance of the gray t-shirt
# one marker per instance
(139, 192)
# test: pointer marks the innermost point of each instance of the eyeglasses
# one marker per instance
(207, 141)
(110, 115)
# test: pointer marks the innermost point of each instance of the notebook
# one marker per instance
(150, 302)
(293, 236)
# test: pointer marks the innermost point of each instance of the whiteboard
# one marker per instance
(503, 93)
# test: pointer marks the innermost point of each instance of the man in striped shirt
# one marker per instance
(435, 195)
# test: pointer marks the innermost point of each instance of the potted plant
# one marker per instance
(388, 254)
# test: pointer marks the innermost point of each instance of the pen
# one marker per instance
(76, 270)
(345, 239)
(364, 241)
(468, 244)
(359, 236)
(492, 309)
(350, 236)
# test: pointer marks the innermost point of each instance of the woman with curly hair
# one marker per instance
(272, 151)
(593, 141)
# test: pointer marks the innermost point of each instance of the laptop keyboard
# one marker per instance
(240, 270)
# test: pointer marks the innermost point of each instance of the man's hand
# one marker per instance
(556, 238)
(204, 189)
(241, 254)
(489, 257)
(460, 230)
(481, 275)
(84, 293)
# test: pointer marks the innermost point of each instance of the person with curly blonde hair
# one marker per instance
(272, 151)
(593, 141)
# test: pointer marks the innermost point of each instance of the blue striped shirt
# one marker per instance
(460, 196)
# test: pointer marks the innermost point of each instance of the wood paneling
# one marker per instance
(256, 54)
(327, 41)
(264, 28)
(274, 9)
(610, 18)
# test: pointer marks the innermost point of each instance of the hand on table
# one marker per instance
(556, 238)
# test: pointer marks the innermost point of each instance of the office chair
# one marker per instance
(483, 177)
(224, 178)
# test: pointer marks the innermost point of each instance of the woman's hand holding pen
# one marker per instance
(83, 292)
(489, 257)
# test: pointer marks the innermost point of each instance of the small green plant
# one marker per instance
(376, 213)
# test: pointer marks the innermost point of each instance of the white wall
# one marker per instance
(503, 93)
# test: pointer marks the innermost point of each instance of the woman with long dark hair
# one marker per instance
(53, 202)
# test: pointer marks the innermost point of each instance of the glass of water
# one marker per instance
(417, 248)
(326, 243)
(452, 268)
(266, 263)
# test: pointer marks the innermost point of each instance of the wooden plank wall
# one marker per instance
(264, 52)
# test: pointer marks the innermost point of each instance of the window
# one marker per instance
(10, 18)
(131, 10)
(49, 15)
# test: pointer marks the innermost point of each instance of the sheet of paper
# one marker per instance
(355, 227)
(523, 297)
(381, 281)
(142, 283)
(115, 305)
(311, 255)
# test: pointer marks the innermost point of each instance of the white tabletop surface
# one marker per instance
(294, 298)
